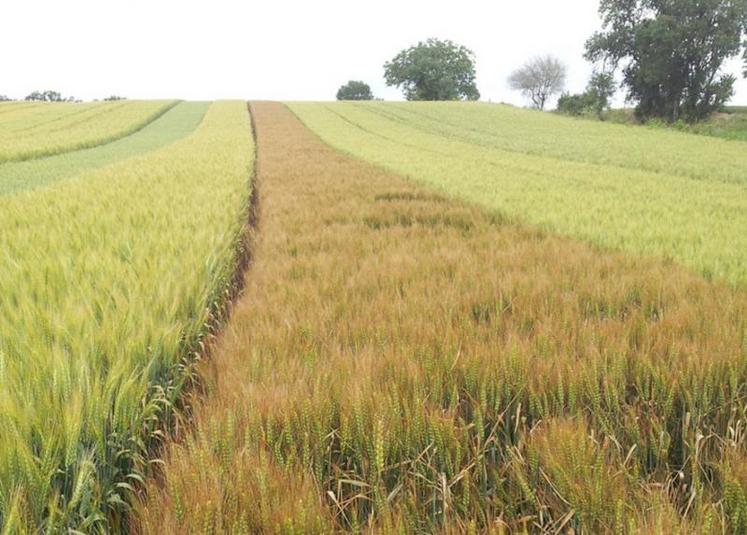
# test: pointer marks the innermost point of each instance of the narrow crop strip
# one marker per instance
(111, 282)
(175, 124)
(404, 362)
(27, 117)
(81, 129)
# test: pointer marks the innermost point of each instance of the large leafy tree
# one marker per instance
(434, 70)
(671, 52)
(355, 90)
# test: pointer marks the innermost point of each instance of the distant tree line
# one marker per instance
(430, 70)
(53, 96)
(47, 96)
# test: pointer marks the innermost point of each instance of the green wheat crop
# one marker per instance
(175, 124)
(55, 128)
(640, 190)
(108, 280)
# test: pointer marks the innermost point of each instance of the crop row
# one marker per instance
(109, 280)
(26, 116)
(698, 222)
(59, 128)
(176, 123)
(530, 132)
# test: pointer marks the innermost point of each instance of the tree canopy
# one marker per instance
(47, 96)
(601, 89)
(596, 98)
(434, 70)
(539, 79)
(671, 52)
(355, 90)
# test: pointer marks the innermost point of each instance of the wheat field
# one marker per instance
(111, 281)
(644, 191)
(405, 362)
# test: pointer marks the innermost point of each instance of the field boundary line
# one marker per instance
(176, 425)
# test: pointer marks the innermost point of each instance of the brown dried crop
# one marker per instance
(404, 362)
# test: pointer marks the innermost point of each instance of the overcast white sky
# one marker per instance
(275, 49)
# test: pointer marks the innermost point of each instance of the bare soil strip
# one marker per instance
(400, 361)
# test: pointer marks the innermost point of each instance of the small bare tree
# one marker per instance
(539, 79)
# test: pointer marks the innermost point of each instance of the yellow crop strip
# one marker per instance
(29, 116)
(107, 282)
(694, 213)
(55, 128)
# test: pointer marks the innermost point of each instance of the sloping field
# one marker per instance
(54, 128)
(405, 362)
(29, 116)
(175, 124)
(12, 111)
(110, 281)
(543, 134)
(644, 191)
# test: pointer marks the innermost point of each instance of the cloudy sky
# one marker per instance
(275, 49)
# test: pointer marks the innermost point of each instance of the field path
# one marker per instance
(408, 362)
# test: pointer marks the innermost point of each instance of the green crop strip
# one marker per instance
(63, 129)
(698, 222)
(175, 124)
(528, 132)
(109, 281)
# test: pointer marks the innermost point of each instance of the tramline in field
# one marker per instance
(176, 123)
(53, 129)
